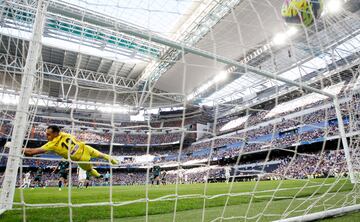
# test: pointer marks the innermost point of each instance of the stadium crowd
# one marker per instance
(284, 132)
(141, 137)
(329, 163)
(222, 152)
(305, 165)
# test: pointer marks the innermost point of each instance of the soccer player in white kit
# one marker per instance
(227, 174)
(26, 180)
(181, 176)
(186, 178)
(81, 177)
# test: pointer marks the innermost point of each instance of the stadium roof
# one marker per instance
(86, 37)
(239, 88)
(308, 51)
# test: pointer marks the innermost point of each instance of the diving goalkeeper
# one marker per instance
(64, 144)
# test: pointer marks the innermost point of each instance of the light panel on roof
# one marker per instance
(155, 15)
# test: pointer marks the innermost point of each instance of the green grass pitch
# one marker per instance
(268, 202)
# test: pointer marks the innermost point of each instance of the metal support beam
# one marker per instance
(53, 71)
(205, 54)
(102, 81)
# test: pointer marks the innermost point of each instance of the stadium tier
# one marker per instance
(234, 110)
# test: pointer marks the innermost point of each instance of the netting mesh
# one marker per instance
(214, 110)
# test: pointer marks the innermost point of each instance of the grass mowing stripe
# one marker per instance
(132, 193)
(233, 213)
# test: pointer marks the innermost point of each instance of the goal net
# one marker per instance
(237, 110)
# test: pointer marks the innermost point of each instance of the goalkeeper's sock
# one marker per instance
(94, 173)
(109, 158)
(60, 183)
(97, 154)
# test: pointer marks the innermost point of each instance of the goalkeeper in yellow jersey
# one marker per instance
(66, 146)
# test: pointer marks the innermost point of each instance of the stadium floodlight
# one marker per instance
(204, 87)
(333, 6)
(217, 79)
(291, 31)
(282, 37)
(220, 77)
(190, 96)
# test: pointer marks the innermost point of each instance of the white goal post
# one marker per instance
(21, 117)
